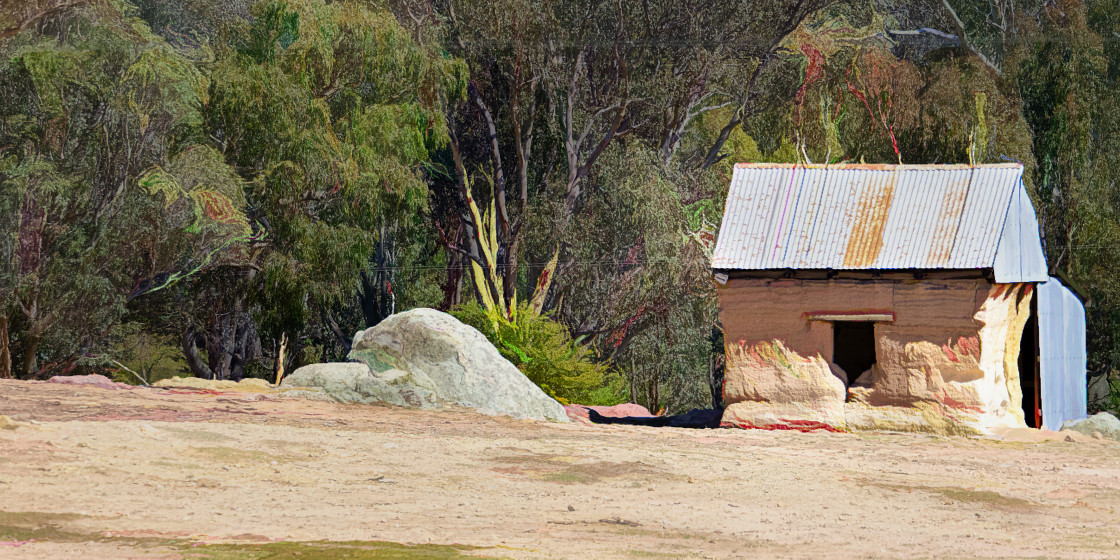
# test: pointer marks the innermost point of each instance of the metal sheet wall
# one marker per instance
(1061, 349)
(1019, 257)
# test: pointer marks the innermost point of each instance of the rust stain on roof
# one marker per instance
(871, 218)
(948, 221)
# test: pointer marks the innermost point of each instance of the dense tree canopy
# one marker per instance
(244, 183)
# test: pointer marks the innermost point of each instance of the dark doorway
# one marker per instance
(1029, 379)
(853, 347)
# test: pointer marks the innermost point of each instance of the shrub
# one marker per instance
(546, 353)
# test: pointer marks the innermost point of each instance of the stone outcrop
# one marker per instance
(425, 358)
(1103, 423)
(342, 382)
(247, 385)
(91, 380)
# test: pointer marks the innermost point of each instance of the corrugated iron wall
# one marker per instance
(1019, 257)
(1062, 355)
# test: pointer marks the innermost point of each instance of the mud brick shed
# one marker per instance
(897, 297)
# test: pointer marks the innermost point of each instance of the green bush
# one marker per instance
(546, 353)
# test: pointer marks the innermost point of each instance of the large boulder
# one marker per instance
(1102, 422)
(343, 382)
(425, 358)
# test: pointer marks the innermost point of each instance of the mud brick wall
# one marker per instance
(952, 342)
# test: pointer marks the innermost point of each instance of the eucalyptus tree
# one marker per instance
(328, 112)
(554, 84)
(558, 86)
(96, 106)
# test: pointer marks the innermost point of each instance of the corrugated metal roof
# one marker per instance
(851, 217)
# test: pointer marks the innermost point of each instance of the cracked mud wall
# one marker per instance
(947, 363)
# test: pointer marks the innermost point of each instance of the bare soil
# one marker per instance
(146, 474)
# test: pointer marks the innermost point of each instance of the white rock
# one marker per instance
(1105, 424)
(425, 358)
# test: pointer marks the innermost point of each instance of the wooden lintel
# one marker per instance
(868, 316)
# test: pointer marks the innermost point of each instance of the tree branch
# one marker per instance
(14, 30)
(464, 190)
(194, 360)
(523, 141)
(495, 152)
(966, 43)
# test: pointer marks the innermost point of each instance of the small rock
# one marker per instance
(619, 521)
(1070, 439)
(570, 508)
(9, 424)
(1098, 435)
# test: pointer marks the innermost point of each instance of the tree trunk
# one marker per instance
(213, 342)
(194, 360)
(240, 349)
(376, 294)
(715, 380)
(653, 397)
(633, 380)
(225, 345)
(340, 337)
(5, 351)
(29, 363)
(453, 285)
(227, 340)
(509, 274)
(280, 354)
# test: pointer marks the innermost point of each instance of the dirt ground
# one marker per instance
(98, 474)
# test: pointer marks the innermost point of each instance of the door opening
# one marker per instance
(1029, 376)
(853, 347)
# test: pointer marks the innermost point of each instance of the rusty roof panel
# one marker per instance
(865, 216)
(870, 218)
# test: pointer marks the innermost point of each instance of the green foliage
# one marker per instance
(89, 108)
(142, 357)
(330, 111)
(641, 279)
(544, 351)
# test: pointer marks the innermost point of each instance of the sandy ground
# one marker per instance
(136, 474)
